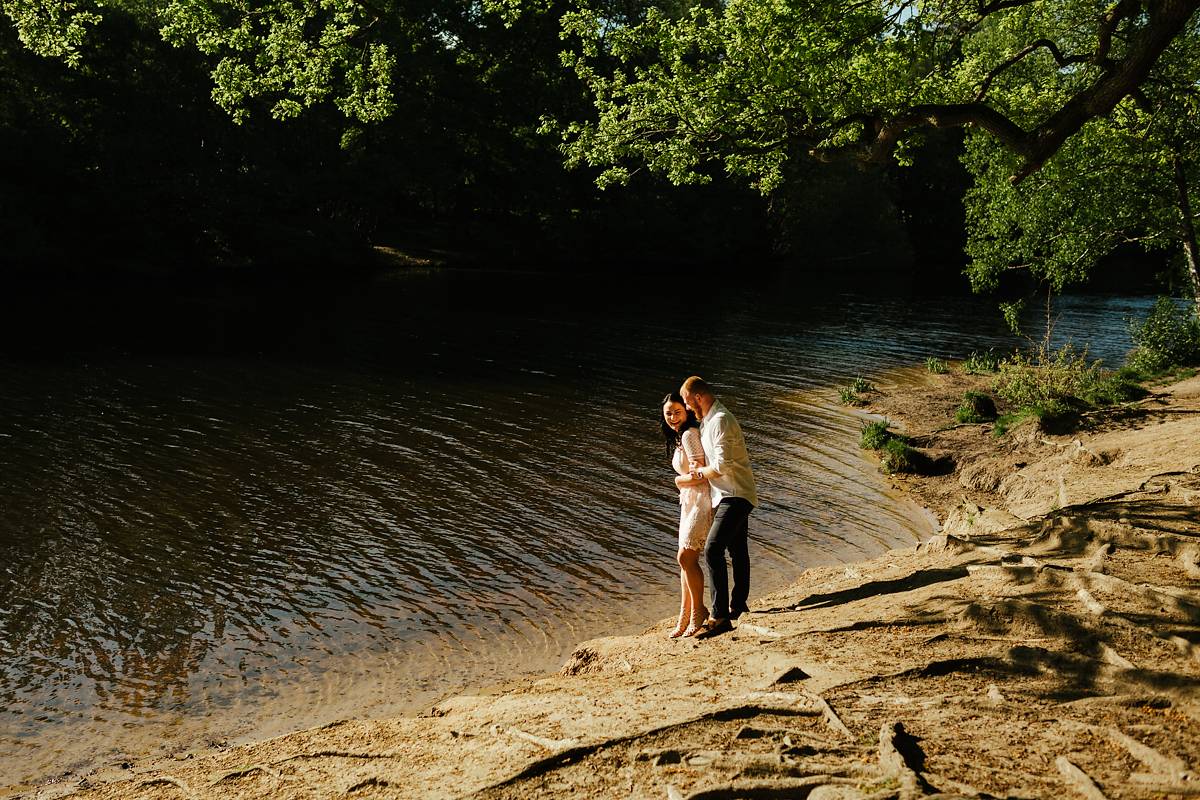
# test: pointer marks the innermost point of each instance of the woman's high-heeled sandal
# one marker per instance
(680, 626)
(698, 620)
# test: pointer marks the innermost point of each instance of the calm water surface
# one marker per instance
(433, 482)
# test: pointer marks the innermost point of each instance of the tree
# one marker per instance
(1130, 177)
(752, 84)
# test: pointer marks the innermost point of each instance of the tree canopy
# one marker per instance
(361, 111)
(1131, 177)
(754, 84)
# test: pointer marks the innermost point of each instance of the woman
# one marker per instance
(682, 434)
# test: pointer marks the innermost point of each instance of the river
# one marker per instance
(242, 518)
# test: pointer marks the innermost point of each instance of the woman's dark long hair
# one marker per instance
(672, 438)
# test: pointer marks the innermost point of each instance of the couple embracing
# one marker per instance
(716, 496)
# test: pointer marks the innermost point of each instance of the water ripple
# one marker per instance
(452, 497)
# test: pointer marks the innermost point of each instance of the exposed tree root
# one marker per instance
(333, 754)
(1126, 700)
(1078, 780)
(572, 754)
(540, 741)
(367, 783)
(1157, 762)
(767, 790)
(917, 580)
(167, 780)
(900, 757)
(1159, 787)
(1156, 596)
(241, 772)
(831, 717)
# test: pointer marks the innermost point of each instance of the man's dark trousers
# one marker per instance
(728, 532)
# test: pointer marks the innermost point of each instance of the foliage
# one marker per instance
(979, 362)
(1128, 177)
(1054, 386)
(875, 434)
(975, 407)
(897, 456)
(121, 156)
(935, 365)
(861, 385)
(1168, 337)
(1111, 389)
(1045, 378)
(748, 86)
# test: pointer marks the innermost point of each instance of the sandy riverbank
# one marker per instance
(1046, 644)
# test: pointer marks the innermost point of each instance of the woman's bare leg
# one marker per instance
(693, 578)
(685, 606)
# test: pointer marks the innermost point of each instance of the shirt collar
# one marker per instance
(712, 412)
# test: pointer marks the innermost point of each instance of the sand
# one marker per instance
(1045, 644)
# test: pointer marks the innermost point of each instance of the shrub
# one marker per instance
(861, 384)
(935, 365)
(1042, 378)
(875, 434)
(1168, 337)
(975, 407)
(1112, 388)
(897, 456)
(980, 362)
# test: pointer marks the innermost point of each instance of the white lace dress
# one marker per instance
(695, 506)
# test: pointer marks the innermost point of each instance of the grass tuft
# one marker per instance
(897, 456)
(981, 362)
(975, 407)
(935, 365)
(852, 394)
(875, 434)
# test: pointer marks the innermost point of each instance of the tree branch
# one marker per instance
(1060, 59)
(1119, 79)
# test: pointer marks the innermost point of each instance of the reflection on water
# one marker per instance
(441, 481)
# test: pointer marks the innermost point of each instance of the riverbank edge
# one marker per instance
(794, 657)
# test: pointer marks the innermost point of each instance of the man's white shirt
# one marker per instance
(725, 450)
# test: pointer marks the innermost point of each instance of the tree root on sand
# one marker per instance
(367, 783)
(241, 772)
(1078, 780)
(167, 780)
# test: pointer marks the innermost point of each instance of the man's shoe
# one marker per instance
(734, 613)
(715, 627)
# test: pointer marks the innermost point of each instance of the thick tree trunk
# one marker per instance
(1190, 249)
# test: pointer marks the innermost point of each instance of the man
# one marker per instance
(731, 486)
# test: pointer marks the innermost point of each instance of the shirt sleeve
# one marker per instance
(692, 447)
(722, 444)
